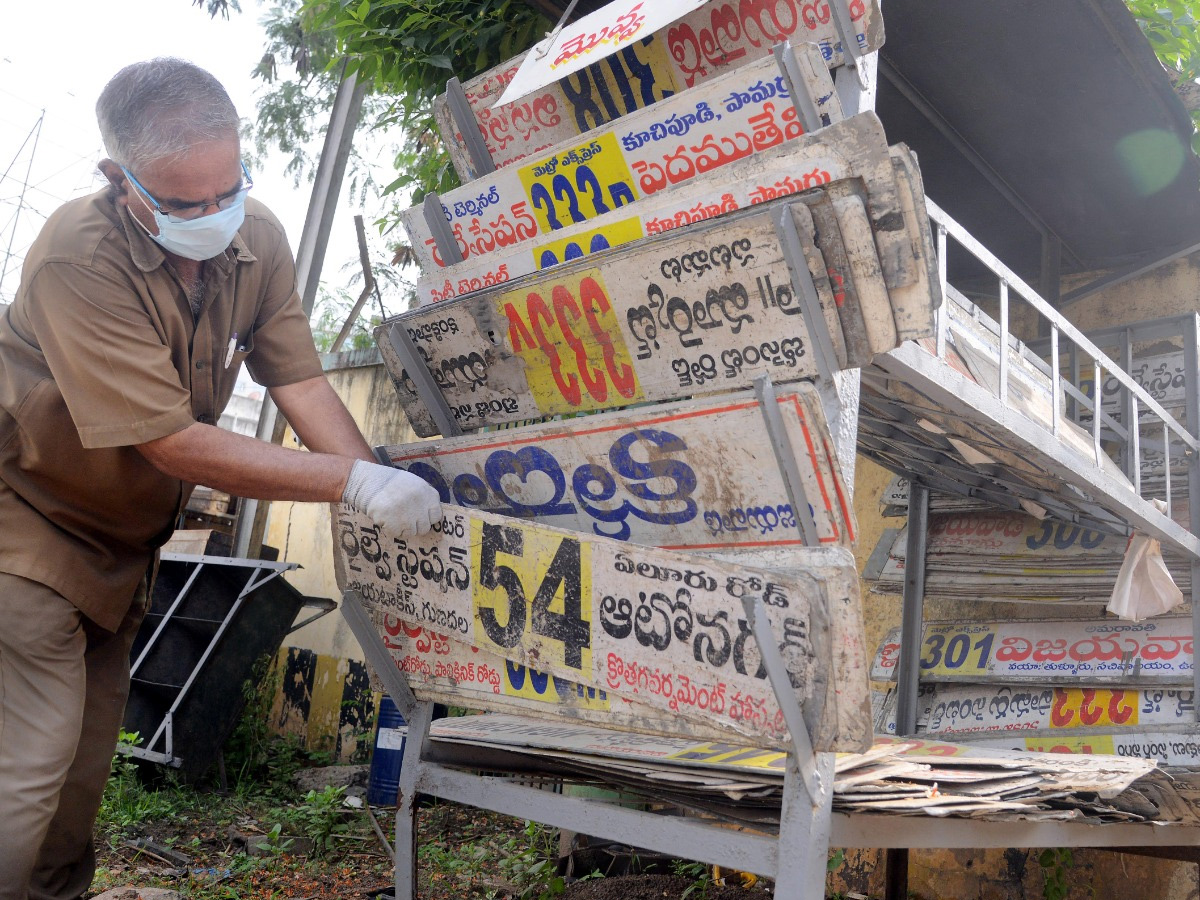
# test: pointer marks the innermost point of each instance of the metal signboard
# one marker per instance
(1013, 556)
(1170, 748)
(1163, 378)
(706, 43)
(663, 629)
(757, 179)
(696, 475)
(688, 312)
(983, 709)
(731, 118)
(1161, 375)
(1157, 652)
(440, 668)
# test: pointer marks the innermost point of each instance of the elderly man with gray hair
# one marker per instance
(136, 308)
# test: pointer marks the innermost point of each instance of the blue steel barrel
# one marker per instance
(390, 732)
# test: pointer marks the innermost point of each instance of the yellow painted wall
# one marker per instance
(302, 531)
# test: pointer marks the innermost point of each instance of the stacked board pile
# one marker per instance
(562, 283)
(743, 785)
(701, 230)
(1081, 686)
(982, 555)
(605, 568)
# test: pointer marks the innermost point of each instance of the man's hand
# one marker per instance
(404, 504)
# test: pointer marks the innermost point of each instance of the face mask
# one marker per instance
(197, 239)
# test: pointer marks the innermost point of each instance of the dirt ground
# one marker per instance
(462, 853)
(657, 887)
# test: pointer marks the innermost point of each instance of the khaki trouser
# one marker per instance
(63, 686)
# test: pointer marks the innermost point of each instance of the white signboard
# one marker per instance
(719, 36)
(705, 309)
(1171, 748)
(697, 475)
(662, 629)
(590, 39)
(1155, 652)
(982, 709)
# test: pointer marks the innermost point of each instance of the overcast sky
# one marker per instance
(58, 56)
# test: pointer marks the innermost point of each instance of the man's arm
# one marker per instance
(321, 420)
(340, 470)
(246, 467)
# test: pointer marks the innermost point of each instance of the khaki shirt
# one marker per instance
(100, 352)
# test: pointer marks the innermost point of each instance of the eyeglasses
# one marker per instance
(197, 210)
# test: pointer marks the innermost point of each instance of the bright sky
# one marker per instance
(58, 58)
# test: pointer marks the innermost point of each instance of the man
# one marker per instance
(137, 305)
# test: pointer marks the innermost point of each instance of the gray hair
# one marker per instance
(161, 108)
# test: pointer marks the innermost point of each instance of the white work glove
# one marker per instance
(403, 503)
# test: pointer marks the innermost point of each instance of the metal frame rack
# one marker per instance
(1089, 490)
(1063, 466)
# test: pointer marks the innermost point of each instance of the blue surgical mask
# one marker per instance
(201, 238)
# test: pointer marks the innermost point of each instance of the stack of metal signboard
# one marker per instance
(742, 785)
(1097, 686)
(552, 287)
(992, 555)
(559, 283)
(677, 562)
(573, 318)
(649, 545)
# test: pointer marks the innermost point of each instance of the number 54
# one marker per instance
(502, 609)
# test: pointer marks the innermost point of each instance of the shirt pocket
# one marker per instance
(235, 354)
(236, 351)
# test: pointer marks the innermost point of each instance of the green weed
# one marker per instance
(529, 863)
(700, 875)
(126, 801)
(1056, 862)
(320, 817)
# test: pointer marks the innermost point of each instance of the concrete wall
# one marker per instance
(323, 676)
(1167, 291)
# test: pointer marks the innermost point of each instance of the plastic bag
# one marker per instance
(1144, 587)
